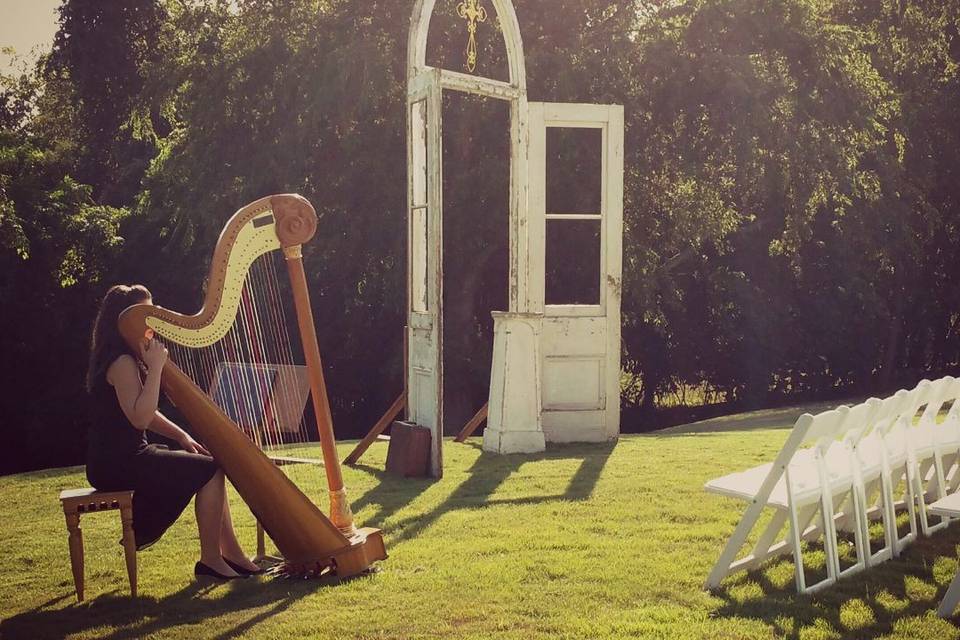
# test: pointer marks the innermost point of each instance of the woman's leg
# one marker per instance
(229, 545)
(209, 507)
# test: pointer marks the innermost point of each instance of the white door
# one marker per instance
(425, 272)
(576, 199)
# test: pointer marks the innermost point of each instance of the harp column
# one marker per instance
(340, 513)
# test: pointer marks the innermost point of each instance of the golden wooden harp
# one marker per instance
(307, 539)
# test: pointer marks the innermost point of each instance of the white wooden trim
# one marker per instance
(574, 310)
(422, 83)
(521, 267)
(612, 212)
(537, 146)
(425, 329)
(478, 85)
(574, 216)
(565, 114)
(419, 320)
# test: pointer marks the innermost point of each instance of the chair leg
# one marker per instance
(922, 481)
(893, 479)
(846, 519)
(860, 536)
(950, 599)
(794, 534)
(129, 546)
(830, 536)
(889, 527)
(76, 552)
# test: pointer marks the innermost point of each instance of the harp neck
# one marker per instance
(275, 222)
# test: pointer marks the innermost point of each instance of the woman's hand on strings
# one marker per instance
(192, 446)
(153, 354)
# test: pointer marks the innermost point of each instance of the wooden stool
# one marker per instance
(77, 502)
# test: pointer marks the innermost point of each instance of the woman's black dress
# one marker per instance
(119, 457)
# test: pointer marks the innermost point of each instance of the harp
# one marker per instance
(309, 541)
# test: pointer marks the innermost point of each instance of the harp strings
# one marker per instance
(253, 373)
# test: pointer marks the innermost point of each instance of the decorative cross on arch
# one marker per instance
(472, 12)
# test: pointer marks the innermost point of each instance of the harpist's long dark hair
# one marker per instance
(106, 344)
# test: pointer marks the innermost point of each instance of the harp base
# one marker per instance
(366, 547)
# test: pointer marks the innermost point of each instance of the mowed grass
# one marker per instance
(584, 541)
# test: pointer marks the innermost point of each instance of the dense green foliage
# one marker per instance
(792, 186)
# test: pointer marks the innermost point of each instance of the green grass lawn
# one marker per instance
(583, 541)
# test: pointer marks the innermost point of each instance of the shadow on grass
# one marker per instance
(486, 474)
(489, 471)
(391, 494)
(144, 616)
(892, 591)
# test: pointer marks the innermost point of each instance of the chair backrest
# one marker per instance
(892, 422)
(954, 396)
(827, 426)
(938, 393)
(861, 421)
(919, 397)
(892, 408)
(948, 431)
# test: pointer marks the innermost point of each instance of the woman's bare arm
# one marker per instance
(167, 428)
(137, 399)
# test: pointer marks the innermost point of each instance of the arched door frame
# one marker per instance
(425, 84)
(555, 371)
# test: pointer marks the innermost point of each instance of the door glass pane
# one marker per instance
(418, 152)
(572, 262)
(574, 170)
(418, 260)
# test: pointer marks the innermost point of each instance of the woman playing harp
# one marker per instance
(275, 226)
(125, 389)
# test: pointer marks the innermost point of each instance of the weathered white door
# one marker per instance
(425, 277)
(576, 201)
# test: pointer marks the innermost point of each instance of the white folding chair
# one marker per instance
(871, 501)
(948, 441)
(800, 484)
(894, 438)
(927, 471)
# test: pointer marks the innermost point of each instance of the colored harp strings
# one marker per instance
(254, 373)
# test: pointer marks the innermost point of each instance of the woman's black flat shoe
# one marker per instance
(202, 570)
(241, 570)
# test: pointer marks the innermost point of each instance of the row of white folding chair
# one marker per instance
(935, 445)
(872, 444)
(891, 455)
(803, 486)
(947, 440)
(882, 464)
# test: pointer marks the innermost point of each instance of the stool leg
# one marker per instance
(76, 552)
(261, 547)
(129, 546)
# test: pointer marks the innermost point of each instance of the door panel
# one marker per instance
(424, 276)
(580, 249)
